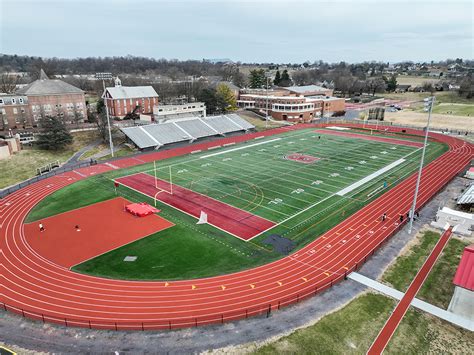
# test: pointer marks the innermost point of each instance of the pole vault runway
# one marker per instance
(37, 288)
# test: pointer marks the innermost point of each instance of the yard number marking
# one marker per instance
(297, 191)
(276, 201)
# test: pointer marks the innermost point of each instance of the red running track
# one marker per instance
(241, 224)
(371, 138)
(397, 315)
(39, 289)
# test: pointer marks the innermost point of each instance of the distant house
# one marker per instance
(402, 88)
(122, 100)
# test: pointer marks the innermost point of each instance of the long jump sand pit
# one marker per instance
(103, 226)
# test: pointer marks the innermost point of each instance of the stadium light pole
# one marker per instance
(103, 77)
(428, 107)
(266, 113)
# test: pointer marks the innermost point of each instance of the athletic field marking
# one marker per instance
(370, 177)
(239, 148)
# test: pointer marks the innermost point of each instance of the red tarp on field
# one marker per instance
(141, 209)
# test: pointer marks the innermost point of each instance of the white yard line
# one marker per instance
(239, 148)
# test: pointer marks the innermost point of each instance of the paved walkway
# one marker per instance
(399, 312)
(417, 303)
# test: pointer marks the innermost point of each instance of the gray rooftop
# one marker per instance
(131, 92)
(306, 88)
(467, 197)
(46, 86)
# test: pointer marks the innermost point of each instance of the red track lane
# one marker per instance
(39, 289)
(397, 315)
(371, 138)
(240, 223)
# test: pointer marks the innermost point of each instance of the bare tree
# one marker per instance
(8, 83)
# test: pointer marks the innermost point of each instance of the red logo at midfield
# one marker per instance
(301, 158)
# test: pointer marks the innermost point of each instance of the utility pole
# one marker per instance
(103, 77)
(429, 102)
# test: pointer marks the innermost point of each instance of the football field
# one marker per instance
(293, 186)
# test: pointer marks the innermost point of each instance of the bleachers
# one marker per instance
(166, 133)
(139, 137)
(159, 134)
(222, 124)
(196, 128)
(240, 121)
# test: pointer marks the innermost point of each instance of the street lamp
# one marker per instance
(428, 102)
(103, 77)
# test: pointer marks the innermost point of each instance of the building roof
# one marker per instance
(306, 88)
(465, 273)
(467, 197)
(47, 86)
(131, 92)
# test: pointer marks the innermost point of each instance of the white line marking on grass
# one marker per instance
(369, 177)
(239, 148)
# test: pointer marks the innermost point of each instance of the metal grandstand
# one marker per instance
(159, 134)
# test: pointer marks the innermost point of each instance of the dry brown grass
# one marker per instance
(438, 121)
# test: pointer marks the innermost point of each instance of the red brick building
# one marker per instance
(14, 112)
(52, 97)
(295, 104)
(122, 100)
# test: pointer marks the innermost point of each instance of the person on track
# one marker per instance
(401, 218)
(78, 229)
(384, 217)
(41, 227)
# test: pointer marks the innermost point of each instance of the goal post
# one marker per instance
(160, 190)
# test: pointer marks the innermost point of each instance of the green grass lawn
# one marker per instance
(401, 274)
(352, 329)
(438, 287)
(22, 165)
(257, 178)
(454, 109)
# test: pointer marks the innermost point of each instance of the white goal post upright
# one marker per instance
(156, 182)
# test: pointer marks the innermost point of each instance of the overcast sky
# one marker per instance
(248, 31)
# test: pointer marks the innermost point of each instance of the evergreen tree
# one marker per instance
(391, 83)
(209, 97)
(285, 78)
(54, 135)
(257, 78)
(226, 100)
(277, 79)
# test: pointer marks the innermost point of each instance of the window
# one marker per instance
(1, 101)
(33, 108)
(13, 100)
(15, 111)
(35, 118)
(22, 110)
(4, 112)
(20, 100)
